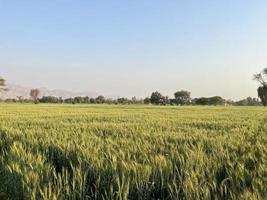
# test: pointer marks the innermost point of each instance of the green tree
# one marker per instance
(78, 100)
(34, 93)
(147, 100)
(262, 93)
(182, 97)
(216, 100)
(262, 90)
(92, 100)
(49, 99)
(202, 101)
(123, 100)
(69, 100)
(157, 98)
(100, 99)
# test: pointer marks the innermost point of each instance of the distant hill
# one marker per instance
(16, 90)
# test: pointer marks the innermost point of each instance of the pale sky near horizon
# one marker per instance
(132, 48)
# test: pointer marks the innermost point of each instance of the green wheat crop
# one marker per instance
(69, 152)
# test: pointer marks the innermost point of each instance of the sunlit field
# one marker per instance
(59, 152)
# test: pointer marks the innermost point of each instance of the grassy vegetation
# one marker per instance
(55, 152)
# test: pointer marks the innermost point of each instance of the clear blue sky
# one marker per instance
(131, 48)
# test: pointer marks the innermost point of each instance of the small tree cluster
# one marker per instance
(180, 97)
(158, 99)
(183, 97)
(249, 101)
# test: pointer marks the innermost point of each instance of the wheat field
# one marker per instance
(61, 152)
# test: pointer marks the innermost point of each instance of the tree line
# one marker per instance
(181, 97)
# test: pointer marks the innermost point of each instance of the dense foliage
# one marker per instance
(247, 102)
(262, 93)
(182, 97)
(262, 90)
(209, 101)
(55, 152)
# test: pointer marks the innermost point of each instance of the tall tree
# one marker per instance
(158, 98)
(100, 99)
(34, 93)
(182, 97)
(262, 90)
(262, 93)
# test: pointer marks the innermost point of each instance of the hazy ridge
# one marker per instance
(15, 91)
